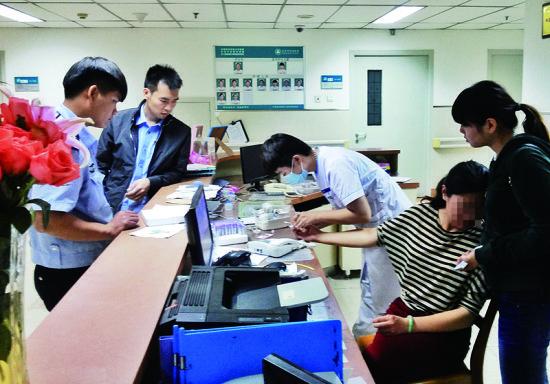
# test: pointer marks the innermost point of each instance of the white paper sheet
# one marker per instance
(159, 231)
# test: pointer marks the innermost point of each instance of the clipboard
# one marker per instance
(236, 132)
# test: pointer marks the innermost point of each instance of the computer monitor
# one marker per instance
(252, 166)
(277, 369)
(199, 233)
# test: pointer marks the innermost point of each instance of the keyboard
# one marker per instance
(265, 197)
(227, 232)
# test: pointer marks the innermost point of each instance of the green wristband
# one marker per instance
(411, 323)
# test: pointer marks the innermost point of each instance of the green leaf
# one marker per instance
(21, 219)
(45, 210)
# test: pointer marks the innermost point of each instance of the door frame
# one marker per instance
(430, 78)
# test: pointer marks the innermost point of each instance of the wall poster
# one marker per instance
(259, 78)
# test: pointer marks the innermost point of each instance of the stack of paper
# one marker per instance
(186, 192)
(164, 214)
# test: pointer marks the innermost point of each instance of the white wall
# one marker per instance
(536, 59)
(459, 59)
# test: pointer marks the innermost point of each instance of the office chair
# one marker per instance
(475, 374)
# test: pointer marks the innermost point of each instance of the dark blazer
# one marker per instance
(117, 150)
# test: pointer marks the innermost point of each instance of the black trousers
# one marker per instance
(52, 284)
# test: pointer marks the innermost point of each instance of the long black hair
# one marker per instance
(465, 177)
(487, 99)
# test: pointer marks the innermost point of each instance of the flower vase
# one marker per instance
(12, 272)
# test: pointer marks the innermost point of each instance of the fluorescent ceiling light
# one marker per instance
(397, 14)
(13, 14)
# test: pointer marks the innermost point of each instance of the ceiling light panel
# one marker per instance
(424, 13)
(252, 12)
(355, 14)
(10, 13)
(397, 14)
(36, 11)
(290, 13)
(206, 12)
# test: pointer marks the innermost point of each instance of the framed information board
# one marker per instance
(259, 78)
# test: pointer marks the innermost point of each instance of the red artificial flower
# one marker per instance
(18, 112)
(47, 132)
(55, 165)
(16, 154)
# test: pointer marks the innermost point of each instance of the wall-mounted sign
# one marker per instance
(546, 20)
(255, 78)
(26, 84)
(331, 82)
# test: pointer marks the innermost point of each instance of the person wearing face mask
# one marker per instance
(360, 193)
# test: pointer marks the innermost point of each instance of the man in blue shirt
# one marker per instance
(145, 148)
(81, 223)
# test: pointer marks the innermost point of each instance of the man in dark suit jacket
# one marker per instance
(145, 148)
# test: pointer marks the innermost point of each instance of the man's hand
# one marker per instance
(138, 189)
(470, 258)
(121, 221)
(391, 324)
(303, 220)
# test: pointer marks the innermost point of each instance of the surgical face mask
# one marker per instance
(295, 178)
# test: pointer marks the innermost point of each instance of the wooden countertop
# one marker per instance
(102, 330)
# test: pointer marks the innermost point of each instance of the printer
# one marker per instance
(228, 296)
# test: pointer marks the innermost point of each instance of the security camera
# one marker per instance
(299, 27)
(82, 15)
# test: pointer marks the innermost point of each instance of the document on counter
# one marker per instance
(186, 192)
(400, 179)
(159, 231)
(164, 214)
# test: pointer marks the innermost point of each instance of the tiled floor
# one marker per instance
(347, 293)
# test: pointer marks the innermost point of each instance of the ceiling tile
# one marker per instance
(205, 24)
(489, 3)
(252, 12)
(430, 25)
(509, 26)
(206, 12)
(460, 14)
(293, 25)
(193, 1)
(126, 1)
(316, 2)
(503, 16)
(127, 11)
(62, 1)
(352, 14)
(251, 25)
(424, 13)
(57, 24)
(377, 2)
(104, 24)
(36, 11)
(442, 3)
(69, 11)
(14, 1)
(12, 24)
(472, 25)
(155, 24)
(342, 25)
(254, 1)
(320, 13)
(399, 25)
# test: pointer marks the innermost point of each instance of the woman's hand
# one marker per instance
(302, 220)
(391, 324)
(308, 234)
(470, 259)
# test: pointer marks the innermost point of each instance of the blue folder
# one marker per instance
(221, 354)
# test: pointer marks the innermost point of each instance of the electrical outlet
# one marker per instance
(317, 99)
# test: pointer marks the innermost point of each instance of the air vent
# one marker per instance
(197, 289)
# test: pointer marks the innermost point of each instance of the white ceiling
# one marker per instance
(268, 14)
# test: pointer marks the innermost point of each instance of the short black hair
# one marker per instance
(465, 177)
(278, 150)
(98, 71)
(164, 73)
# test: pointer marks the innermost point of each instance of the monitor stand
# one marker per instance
(256, 186)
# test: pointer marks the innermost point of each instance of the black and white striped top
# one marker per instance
(424, 254)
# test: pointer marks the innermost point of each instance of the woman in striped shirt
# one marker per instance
(426, 331)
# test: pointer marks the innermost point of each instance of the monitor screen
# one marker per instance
(199, 233)
(251, 164)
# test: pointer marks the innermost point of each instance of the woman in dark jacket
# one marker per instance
(515, 251)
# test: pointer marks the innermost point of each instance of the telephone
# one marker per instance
(275, 247)
(278, 189)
